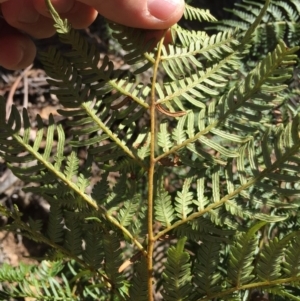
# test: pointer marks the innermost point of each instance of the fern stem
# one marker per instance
(75, 188)
(176, 148)
(233, 194)
(113, 83)
(57, 173)
(112, 136)
(125, 93)
(281, 57)
(253, 285)
(151, 173)
(254, 25)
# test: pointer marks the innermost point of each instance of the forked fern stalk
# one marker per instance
(151, 172)
(196, 183)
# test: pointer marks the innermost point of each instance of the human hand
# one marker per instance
(24, 18)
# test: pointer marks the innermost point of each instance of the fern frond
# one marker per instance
(7, 273)
(142, 144)
(179, 133)
(164, 211)
(139, 224)
(194, 89)
(45, 167)
(192, 13)
(139, 290)
(179, 61)
(270, 259)
(135, 43)
(186, 37)
(79, 82)
(73, 233)
(125, 199)
(118, 194)
(93, 253)
(55, 223)
(291, 264)
(284, 145)
(207, 276)
(237, 166)
(101, 189)
(255, 23)
(163, 136)
(281, 21)
(72, 166)
(39, 283)
(268, 75)
(113, 261)
(128, 211)
(177, 274)
(91, 116)
(242, 253)
(286, 292)
(202, 229)
(184, 200)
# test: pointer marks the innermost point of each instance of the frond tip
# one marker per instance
(193, 13)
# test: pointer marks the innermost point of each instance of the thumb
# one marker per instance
(148, 14)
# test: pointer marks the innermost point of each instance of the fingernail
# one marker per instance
(21, 55)
(28, 15)
(162, 9)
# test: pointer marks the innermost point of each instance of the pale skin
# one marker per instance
(23, 19)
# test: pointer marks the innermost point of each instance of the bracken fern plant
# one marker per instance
(197, 196)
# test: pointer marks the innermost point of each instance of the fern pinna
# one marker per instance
(199, 186)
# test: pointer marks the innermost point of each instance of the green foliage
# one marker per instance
(281, 21)
(195, 175)
(177, 275)
(40, 283)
